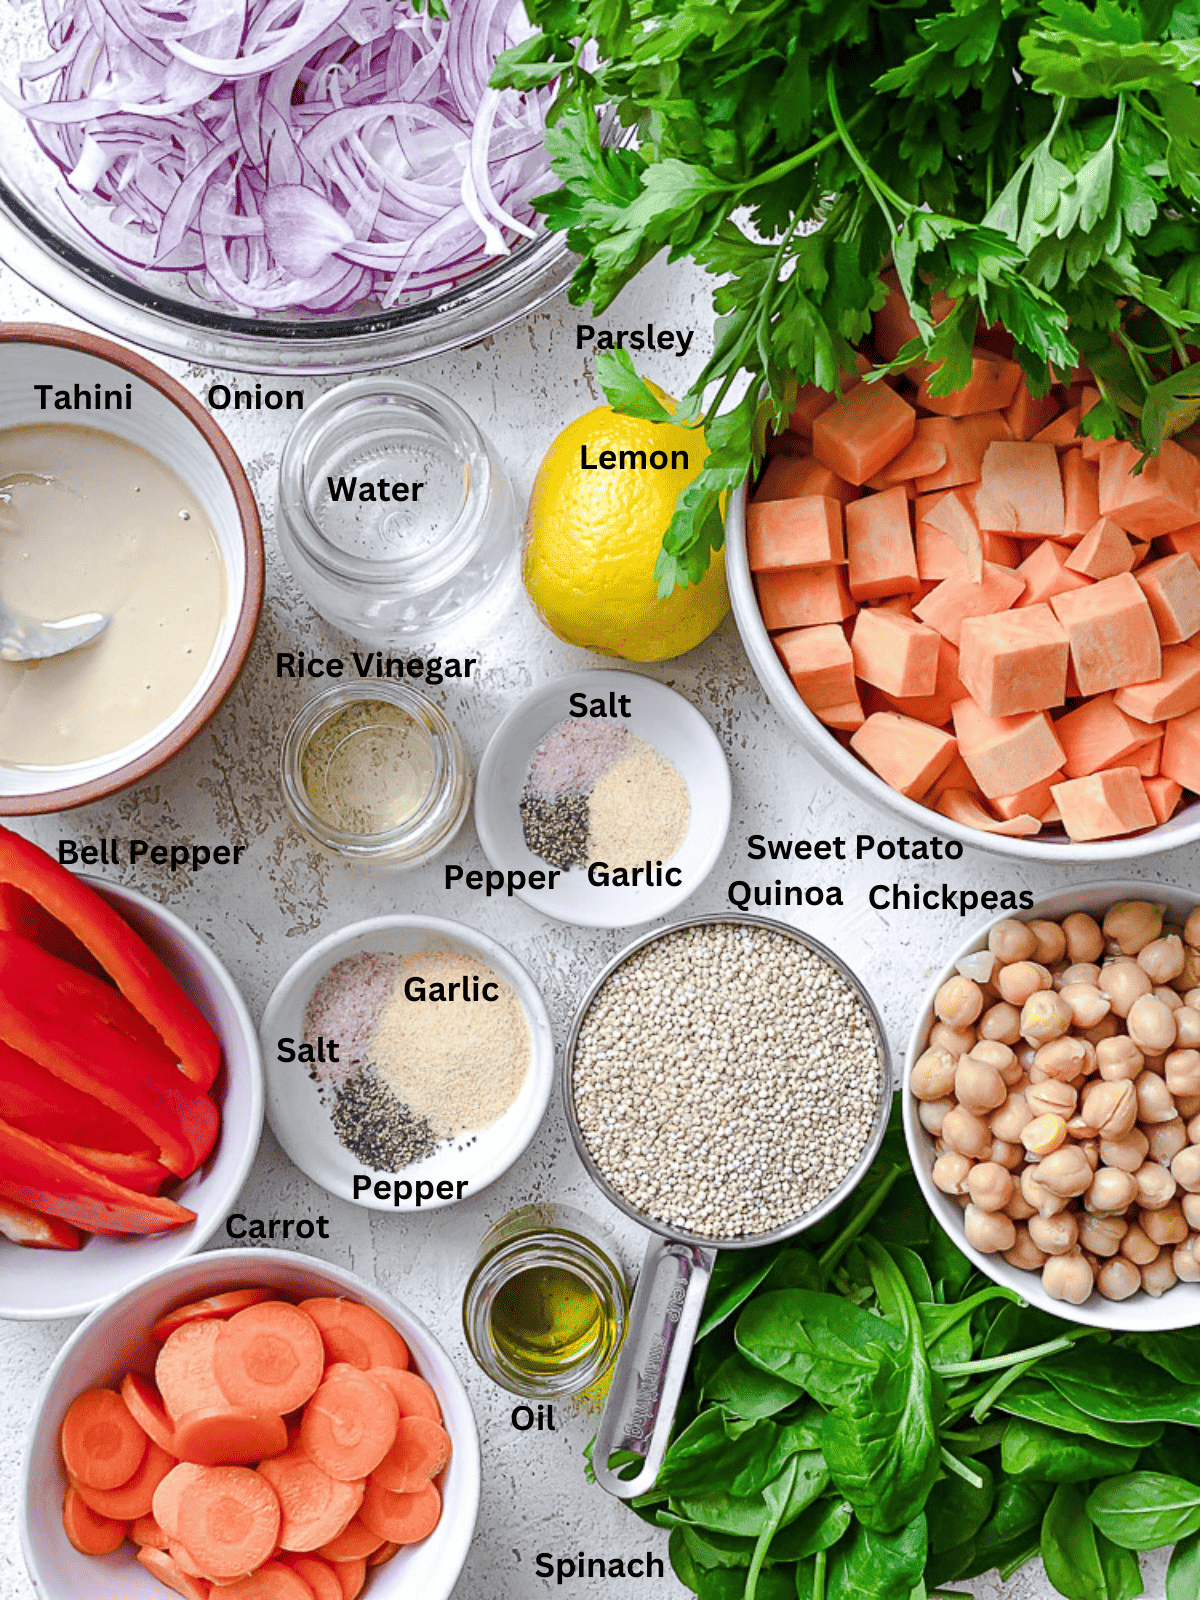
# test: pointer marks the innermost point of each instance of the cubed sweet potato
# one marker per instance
(879, 546)
(1021, 490)
(908, 755)
(1014, 661)
(1104, 806)
(955, 599)
(804, 597)
(1006, 754)
(1172, 586)
(860, 434)
(894, 653)
(807, 532)
(991, 386)
(1114, 640)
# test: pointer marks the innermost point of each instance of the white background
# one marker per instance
(521, 386)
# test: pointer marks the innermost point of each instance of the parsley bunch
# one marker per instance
(1038, 161)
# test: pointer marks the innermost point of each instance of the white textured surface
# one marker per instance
(521, 387)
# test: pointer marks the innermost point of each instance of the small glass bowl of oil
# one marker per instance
(545, 1307)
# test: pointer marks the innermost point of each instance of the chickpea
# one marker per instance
(1044, 1134)
(1110, 1108)
(1191, 929)
(964, 1132)
(1156, 1186)
(1045, 1016)
(1067, 1172)
(979, 966)
(1162, 959)
(1051, 941)
(1119, 1058)
(1127, 1152)
(989, 1231)
(1088, 1005)
(958, 1002)
(1077, 1128)
(1055, 1235)
(1118, 1279)
(1091, 1151)
(1190, 976)
(1185, 1168)
(1159, 1275)
(1051, 1098)
(1185, 1260)
(1191, 997)
(1155, 1102)
(1123, 982)
(933, 1074)
(1085, 941)
(1014, 1073)
(1138, 1247)
(1010, 940)
(1181, 1069)
(1187, 1027)
(1133, 924)
(993, 1054)
(1193, 1129)
(1107, 1028)
(950, 1172)
(1001, 1022)
(1151, 1025)
(1065, 1059)
(932, 1115)
(1086, 972)
(1014, 1115)
(955, 1040)
(1167, 1139)
(1191, 1209)
(1022, 979)
(1018, 1208)
(990, 1186)
(1168, 996)
(1025, 1254)
(1111, 1190)
(1043, 1202)
(1068, 1278)
(1009, 1156)
(1187, 1105)
(1102, 1235)
(979, 1088)
(1166, 1226)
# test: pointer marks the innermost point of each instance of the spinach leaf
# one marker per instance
(1009, 1535)
(1122, 1573)
(682, 1565)
(1118, 1386)
(745, 1390)
(1031, 1450)
(817, 1341)
(1069, 1550)
(817, 1528)
(1183, 1574)
(716, 1509)
(717, 1583)
(1177, 1453)
(956, 1510)
(735, 1276)
(1143, 1510)
(878, 1566)
(777, 1496)
(710, 1549)
(1040, 1403)
(949, 1269)
(1177, 1352)
(705, 1452)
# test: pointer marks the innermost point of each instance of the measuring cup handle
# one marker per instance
(653, 1362)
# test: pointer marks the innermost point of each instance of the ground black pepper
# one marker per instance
(376, 1126)
(556, 827)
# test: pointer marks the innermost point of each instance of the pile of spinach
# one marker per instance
(1036, 160)
(866, 1417)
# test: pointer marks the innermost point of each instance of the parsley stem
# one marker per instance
(873, 181)
(782, 168)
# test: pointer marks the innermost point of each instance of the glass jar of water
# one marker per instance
(393, 512)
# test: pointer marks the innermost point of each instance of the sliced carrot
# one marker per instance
(274, 1581)
(350, 1424)
(90, 1533)
(135, 1498)
(355, 1540)
(101, 1444)
(421, 1450)
(185, 1561)
(385, 1553)
(216, 1306)
(351, 1575)
(168, 1497)
(413, 1395)
(225, 1436)
(147, 1410)
(317, 1574)
(184, 1370)
(315, 1506)
(401, 1518)
(267, 1358)
(229, 1520)
(145, 1530)
(161, 1566)
(356, 1334)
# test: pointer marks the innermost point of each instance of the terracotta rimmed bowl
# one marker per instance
(167, 422)
(116, 1339)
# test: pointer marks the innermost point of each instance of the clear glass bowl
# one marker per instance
(41, 242)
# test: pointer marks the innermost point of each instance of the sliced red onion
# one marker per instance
(290, 155)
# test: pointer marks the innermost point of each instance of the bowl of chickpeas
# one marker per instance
(1052, 1104)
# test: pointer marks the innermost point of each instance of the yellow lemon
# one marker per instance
(594, 532)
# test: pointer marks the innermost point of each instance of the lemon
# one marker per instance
(592, 539)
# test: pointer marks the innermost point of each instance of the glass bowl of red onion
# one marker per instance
(276, 185)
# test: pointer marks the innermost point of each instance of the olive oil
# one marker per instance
(545, 1308)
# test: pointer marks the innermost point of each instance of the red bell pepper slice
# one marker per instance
(62, 1018)
(34, 1099)
(21, 914)
(23, 1225)
(128, 960)
(34, 1173)
(141, 1173)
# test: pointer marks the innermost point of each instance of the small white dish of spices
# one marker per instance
(408, 1062)
(607, 795)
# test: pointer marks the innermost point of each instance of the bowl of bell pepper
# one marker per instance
(131, 1095)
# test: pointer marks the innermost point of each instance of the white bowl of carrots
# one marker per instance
(285, 1418)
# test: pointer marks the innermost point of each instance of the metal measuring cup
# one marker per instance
(669, 1299)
